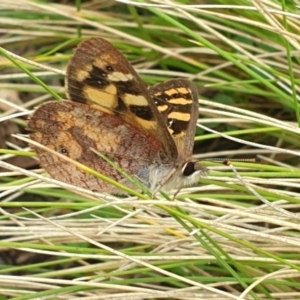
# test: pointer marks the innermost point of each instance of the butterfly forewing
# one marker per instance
(100, 76)
(177, 101)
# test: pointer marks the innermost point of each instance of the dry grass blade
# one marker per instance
(235, 235)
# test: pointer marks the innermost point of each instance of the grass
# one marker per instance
(233, 236)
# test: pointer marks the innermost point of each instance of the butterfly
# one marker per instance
(146, 131)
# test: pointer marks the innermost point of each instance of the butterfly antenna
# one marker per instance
(226, 160)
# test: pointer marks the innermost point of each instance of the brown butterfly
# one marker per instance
(147, 131)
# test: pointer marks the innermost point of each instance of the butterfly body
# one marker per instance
(148, 132)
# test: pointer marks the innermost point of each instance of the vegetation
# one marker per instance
(233, 236)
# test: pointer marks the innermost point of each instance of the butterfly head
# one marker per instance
(171, 178)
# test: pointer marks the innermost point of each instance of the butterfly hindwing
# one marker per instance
(74, 129)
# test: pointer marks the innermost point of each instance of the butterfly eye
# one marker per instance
(109, 68)
(189, 168)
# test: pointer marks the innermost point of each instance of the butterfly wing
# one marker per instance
(73, 129)
(177, 101)
(99, 75)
